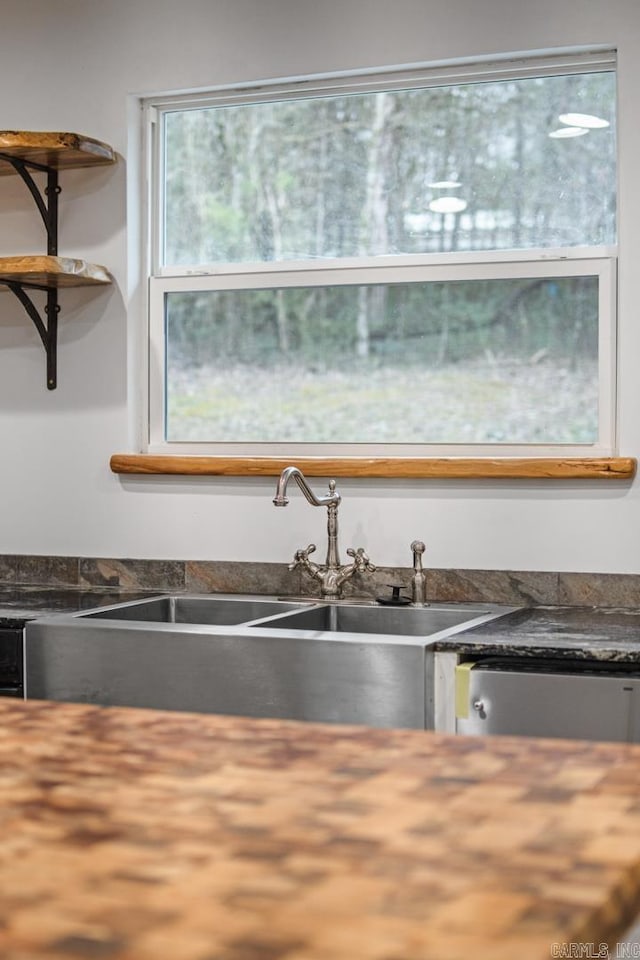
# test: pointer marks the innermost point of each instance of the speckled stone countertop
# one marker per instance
(141, 835)
(575, 632)
(579, 633)
(19, 602)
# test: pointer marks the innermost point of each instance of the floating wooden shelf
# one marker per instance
(24, 152)
(56, 151)
(43, 271)
(452, 468)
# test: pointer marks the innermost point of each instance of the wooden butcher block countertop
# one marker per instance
(142, 835)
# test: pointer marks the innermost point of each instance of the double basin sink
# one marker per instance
(255, 656)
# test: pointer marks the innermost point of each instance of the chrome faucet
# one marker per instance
(331, 575)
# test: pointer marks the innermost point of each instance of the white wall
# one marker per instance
(72, 65)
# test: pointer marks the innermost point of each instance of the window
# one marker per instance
(396, 264)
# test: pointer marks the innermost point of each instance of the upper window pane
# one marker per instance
(490, 165)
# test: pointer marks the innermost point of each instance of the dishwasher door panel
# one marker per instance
(544, 704)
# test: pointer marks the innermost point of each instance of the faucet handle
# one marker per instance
(302, 556)
(360, 560)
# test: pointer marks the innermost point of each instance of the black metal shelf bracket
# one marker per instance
(47, 203)
(47, 327)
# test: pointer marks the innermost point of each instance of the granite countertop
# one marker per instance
(20, 603)
(560, 632)
(142, 835)
(578, 633)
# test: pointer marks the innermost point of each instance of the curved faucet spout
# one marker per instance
(281, 499)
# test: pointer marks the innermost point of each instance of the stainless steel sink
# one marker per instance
(211, 611)
(254, 656)
(394, 621)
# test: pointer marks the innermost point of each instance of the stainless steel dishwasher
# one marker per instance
(586, 700)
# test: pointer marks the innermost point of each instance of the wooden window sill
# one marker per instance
(502, 468)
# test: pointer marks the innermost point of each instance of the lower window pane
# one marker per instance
(482, 361)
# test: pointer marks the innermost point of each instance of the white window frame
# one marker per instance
(485, 265)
